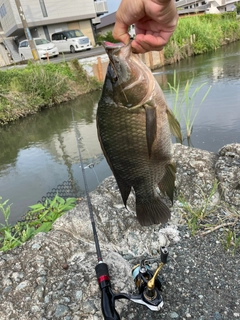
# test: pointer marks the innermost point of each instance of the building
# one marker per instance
(204, 6)
(107, 23)
(45, 17)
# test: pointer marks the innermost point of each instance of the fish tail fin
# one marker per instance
(151, 212)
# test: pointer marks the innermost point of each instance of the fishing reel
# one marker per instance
(146, 281)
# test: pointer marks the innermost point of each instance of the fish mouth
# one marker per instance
(113, 48)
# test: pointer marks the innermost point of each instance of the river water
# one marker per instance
(41, 152)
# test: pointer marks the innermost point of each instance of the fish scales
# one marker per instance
(123, 137)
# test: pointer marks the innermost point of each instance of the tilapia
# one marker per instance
(134, 129)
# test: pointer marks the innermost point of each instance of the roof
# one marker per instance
(107, 20)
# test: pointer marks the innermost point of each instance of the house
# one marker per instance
(204, 6)
(107, 23)
(44, 17)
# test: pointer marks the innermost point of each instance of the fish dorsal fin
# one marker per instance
(174, 125)
(151, 126)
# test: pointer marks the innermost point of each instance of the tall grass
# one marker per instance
(25, 91)
(183, 105)
(199, 34)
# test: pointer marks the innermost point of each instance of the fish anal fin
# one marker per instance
(151, 212)
(174, 125)
(166, 185)
(151, 126)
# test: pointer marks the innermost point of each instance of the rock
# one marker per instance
(35, 285)
(228, 173)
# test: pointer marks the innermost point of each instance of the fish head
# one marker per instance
(127, 76)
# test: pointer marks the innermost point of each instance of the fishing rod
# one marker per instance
(147, 282)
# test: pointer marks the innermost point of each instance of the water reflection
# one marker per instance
(40, 152)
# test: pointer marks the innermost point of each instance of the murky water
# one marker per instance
(40, 152)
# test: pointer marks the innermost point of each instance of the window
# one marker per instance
(43, 8)
(23, 44)
(3, 11)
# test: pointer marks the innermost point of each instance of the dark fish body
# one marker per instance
(134, 129)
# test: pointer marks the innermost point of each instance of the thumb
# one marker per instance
(120, 32)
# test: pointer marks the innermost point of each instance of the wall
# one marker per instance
(57, 12)
(97, 66)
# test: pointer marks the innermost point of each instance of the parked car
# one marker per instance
(44, 47)
(71, 41)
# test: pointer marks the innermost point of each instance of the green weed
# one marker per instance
(39, 219)
(196, 215)
(231, 241)
(184, 102)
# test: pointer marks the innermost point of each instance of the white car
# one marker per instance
(44, 47)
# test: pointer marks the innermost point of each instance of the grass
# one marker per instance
(199, 34)
(195, 215)
(25, 91)
(207, 218)
(184, 102)
(39, 218)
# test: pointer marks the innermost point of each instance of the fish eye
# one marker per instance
(114, 79)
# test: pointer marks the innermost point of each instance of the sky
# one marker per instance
(112, 5)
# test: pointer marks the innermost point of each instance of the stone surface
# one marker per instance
(53, 275)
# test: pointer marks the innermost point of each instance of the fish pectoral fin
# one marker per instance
(166, 185)
(174, 125)
(151, 126)
(152, 211)
(124, 189)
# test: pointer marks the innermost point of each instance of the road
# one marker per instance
(80, 55)
(67, 56)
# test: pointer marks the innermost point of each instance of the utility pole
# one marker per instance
(27, 31)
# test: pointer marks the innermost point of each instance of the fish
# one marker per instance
(134, 126)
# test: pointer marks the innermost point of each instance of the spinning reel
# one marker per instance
(147, 282)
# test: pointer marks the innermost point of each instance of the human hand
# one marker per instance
(154, 20)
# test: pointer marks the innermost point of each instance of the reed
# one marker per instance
(183, 102)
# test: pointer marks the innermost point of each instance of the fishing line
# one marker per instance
(78, 138)
(90, 165)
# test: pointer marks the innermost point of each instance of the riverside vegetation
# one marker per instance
(27, 90)
(196, 34)
(39, 218)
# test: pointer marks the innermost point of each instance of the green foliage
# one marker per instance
(237, 5)
(47, 86)
(24, 91)
(231, 241)
(184, 102)
(196, 215)
(199, 34)
(106, 37)
(39, 219)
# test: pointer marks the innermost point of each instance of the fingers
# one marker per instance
(120, 32)
(150, 42)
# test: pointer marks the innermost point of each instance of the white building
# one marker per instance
(45, 17)
(204, 6)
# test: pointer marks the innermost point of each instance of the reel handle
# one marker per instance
(108, 297)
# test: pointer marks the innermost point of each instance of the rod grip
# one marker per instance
(108, 297)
